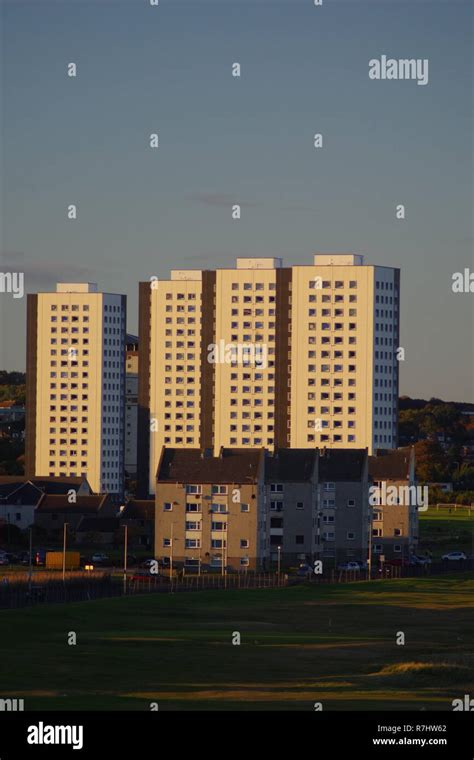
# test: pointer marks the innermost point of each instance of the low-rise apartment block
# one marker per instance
(210, 510)
(253, 508)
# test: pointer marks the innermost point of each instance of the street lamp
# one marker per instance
(172, 540)
(369, 558)
(30, 561)
(279, 557)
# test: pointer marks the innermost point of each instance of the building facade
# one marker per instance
(131, 406)
(20, 497)
(343, 511)
(395, 522)
(210, 511)
(76, 385)
(268, 356)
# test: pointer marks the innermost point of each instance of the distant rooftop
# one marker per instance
(260, 263)
(186, 274)
(338, 259)
(77, 287)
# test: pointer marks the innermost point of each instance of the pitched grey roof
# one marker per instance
(290, 465)
(341, 464)
(200, 466)
(390, 465)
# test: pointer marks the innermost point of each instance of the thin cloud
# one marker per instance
(45, 272)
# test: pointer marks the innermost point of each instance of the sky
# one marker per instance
(247, 140)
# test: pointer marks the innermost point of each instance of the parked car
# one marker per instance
(304, 571)
(454, 557)
(363, 565)
(147, 563)
(398, 562)
(349, 566)
(99, 558)
(216, 569)
(415, 559)
(142, 575)
(4, 558)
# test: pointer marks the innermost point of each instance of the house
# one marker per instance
(20, 496)
(139, 517)
(98, 530)
(55, 510)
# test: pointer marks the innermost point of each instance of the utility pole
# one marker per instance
(226, 548)
(125, 560)
(171, 558)
(369, 560)
(64, 550)
(30, 562)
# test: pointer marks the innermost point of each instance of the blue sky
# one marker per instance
(223, 140)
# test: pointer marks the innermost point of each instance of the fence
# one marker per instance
(85, 587)
(469, 508)
(206, 581)
(18, 592)
(78, 587)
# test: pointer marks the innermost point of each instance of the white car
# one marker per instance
(453, 557)
(349, 566)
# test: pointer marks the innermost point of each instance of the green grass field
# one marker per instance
(442, 531)
(299, 645)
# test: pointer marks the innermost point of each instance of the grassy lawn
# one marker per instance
(299, 645)
(442, 531)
